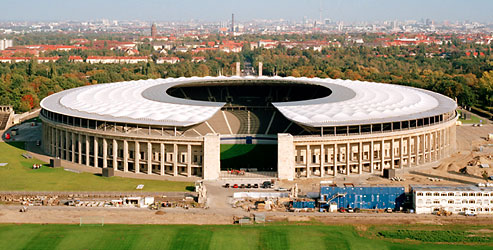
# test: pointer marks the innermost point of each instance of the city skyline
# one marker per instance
(220, 10)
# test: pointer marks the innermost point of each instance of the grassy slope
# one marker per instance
(474, 120)
(18, 175)
(29, 236)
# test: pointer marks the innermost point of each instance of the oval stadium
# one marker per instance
(283, 127)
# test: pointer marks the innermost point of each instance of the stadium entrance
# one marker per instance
(243, 156)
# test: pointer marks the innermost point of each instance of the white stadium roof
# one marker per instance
(146, 102)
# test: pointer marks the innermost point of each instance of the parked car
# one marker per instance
(235, 186)
(249, 185)
(469, 213)
(242, 186)
(266, 184)
(255, 185)
(281, 189)
(226, 185)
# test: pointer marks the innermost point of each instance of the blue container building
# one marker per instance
(372, 197)
(303, 204)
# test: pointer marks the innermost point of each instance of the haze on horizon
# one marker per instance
(220, 10)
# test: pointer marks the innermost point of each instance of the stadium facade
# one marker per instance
(322, 127)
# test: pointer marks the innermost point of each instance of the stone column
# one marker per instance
(149, 158)
(52, 141)
(54, 135)
(46, 143)
(382, 155)
(322, 160)
(212, 160)
(73, 147)
(392, 154)
(115, 154)
(409, 151)
(67, 145)
(435, 146)
(96, 152)
(401, 153)
(125, 156)
(308, 157)
(79, 145)
(57, 143)
(372, 156)
(360, 158)
(161, 159)
(447, 140)
(189, 160)
(416, 150)
(175, 159)
(285, 157)
(429, 147)
(348, 156)
(105, 153)
(137, 157)
(440, 143)
(88, 153)
(335, 159)
(423, 148)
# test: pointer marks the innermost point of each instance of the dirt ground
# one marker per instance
(71, 215)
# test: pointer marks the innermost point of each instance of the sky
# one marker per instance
(245, 10)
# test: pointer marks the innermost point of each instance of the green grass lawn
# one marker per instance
(19, 175)
(474, 119)
(260, 156)
(230, 237)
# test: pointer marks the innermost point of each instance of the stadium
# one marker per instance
(284, 127)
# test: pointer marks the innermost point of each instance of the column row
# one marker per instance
(356, 157)
(160, 158)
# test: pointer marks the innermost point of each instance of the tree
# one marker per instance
(486, 87)
(203, 70)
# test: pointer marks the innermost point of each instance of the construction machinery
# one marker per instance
(443, 212)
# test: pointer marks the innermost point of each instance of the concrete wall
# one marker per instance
(212, 157)
(285, 157)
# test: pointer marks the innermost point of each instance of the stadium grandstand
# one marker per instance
(290, 127)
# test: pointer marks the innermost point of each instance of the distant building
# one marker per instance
(47, 59)
(116, 59)
(5, 44)
(461, 199)
(75, 59)
(153, 30)
(171, 60)
(198, 59)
